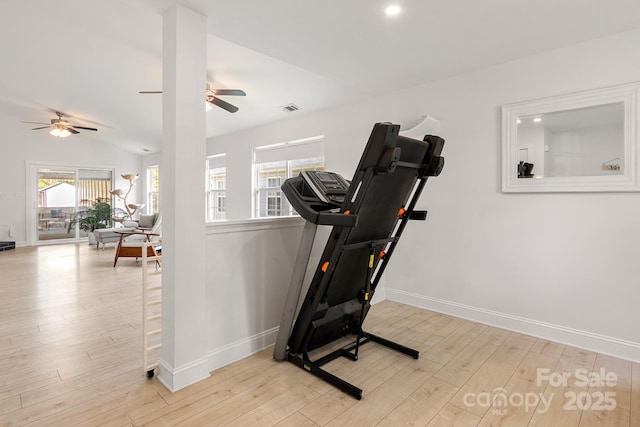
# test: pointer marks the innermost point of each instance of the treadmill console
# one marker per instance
(317, 197)
(329, 187)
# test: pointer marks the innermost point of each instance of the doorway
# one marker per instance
(59, 193)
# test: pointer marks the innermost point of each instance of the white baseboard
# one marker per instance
(379, 295)
(582, 339)
(225, 355)
(240, 349)
(175, 379)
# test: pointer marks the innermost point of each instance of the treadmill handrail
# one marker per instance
(315, 211)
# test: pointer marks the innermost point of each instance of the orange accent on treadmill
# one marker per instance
(325, 266)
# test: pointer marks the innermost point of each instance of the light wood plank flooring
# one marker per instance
(70, 354)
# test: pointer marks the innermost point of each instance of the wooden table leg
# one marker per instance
(115, 260)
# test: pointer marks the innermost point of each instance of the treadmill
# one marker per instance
(368, 215)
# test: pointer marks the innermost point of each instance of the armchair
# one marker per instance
(130, 243)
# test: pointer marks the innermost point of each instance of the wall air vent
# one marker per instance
(290, 108)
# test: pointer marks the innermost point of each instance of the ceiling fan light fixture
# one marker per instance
(60, 133)
(392, 10)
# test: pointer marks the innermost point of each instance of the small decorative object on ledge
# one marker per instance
(130, 207)
(525, 170)
(612, 165)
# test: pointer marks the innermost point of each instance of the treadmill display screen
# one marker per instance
(326, 185)
(326, 178)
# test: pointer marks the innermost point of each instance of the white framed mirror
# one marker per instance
(584, 141)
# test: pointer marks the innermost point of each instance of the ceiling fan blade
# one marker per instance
(222, 104)
(81, 127)
(72, 130)
(35, 123)
(42, 127)
(233, 92)
(149, 91)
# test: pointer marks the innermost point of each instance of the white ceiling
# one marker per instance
(89, 59)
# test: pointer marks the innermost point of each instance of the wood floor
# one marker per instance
(70, 354)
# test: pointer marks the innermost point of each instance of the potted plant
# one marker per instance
(98, 215)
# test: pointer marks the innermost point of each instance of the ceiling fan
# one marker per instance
(61, 127)
(211, 97)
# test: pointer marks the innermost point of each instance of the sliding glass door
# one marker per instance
(62, 192)
(56, 203)
(93, 187)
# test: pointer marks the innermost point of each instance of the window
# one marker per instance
(274, 203)
(216, 185)
(273, 164)
(153, 189)
(273, 182)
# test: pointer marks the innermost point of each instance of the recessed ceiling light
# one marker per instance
(537, 119)
(392, 10)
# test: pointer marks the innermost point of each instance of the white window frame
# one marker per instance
(284, 156)
(150, 194)
(216, 191)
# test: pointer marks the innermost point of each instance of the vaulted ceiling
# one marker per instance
(89, 59)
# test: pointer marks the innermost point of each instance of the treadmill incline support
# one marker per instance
(295, 289)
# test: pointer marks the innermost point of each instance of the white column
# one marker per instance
(183, 358)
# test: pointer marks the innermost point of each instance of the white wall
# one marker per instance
(248, 271)
(20, 144)
(562, 266)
